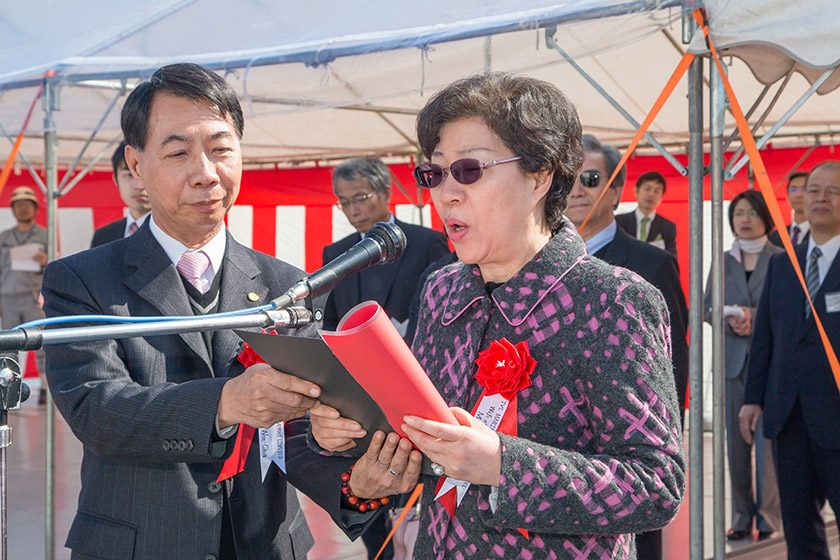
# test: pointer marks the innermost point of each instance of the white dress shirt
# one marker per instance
(829, 251)
(601, 239)
(215, 249)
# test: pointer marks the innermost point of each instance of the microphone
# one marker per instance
(383, 244)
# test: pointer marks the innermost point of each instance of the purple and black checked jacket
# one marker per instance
(599, 455)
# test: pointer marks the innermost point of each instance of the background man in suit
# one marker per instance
(798, 229)
(156, 415)
(363, 188)
(20, 290)
(133, 195)
(605, 240)
(789, 380)
(644, 223)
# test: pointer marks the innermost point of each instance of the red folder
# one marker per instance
(377, 357)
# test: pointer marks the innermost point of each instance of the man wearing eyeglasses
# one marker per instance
(790, 385)
(606, 241)
(799, 229)
(363, 188)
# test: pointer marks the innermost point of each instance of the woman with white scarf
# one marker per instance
(745, 266)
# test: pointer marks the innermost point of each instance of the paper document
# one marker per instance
(23, 257)
(374, 353)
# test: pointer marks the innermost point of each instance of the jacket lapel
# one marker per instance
(735, 273)
(657, 227)
(757, 278)
(153, 277)
(348, 292)
(240, 278)
(377, 280)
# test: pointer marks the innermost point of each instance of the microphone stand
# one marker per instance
(13, 391)
(33, 338)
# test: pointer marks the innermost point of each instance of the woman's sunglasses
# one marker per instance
(466, 171)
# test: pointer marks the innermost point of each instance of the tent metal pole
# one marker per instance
(76, 161)
(749, 113)
(696, 172)
(717, 104)
(781, 122)
(81, 174)
(22, 158)
(757, 124)
(50, 144)
(549, 39)
(796, 165)
(695, 314)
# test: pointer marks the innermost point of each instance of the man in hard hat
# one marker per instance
(22, 261)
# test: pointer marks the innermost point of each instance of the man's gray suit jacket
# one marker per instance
(145, 408)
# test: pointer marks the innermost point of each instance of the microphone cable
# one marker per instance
(123, 319)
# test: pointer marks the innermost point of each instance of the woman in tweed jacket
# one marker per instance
(598, 451)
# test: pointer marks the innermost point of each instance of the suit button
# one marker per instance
(173, 444)
(182, 445)
(166, 446)
(189, 445)
(210, 557)
(214, 487)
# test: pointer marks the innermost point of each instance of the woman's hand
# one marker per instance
(332, 431)
(471, 452)
(742, 326)
(390, 466)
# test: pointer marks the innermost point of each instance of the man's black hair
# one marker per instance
(186, 80)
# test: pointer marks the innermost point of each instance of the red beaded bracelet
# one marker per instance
(361, 505)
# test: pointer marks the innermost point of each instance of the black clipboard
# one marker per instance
(312, 359)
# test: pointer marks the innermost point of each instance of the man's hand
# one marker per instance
(40, 258)
(748, 418)
(332, 431)
(263, 396)
(388, 467)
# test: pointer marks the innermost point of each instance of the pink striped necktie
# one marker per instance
(132, 228)
(191, 266)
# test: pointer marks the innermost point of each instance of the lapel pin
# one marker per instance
(252, 296)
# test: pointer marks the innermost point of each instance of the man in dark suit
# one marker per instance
(605, 240)
(156, 415)
(133, 195)
(363, 188)
(798, 228)
(789, 380)
(644, 223)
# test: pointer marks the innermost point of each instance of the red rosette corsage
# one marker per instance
(505, 368)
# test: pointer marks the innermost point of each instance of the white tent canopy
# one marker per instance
(326, 79)
(775, 37)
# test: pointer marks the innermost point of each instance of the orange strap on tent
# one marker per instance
(7, 169)
(768, 193)
(660, 101)
(411, 500)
